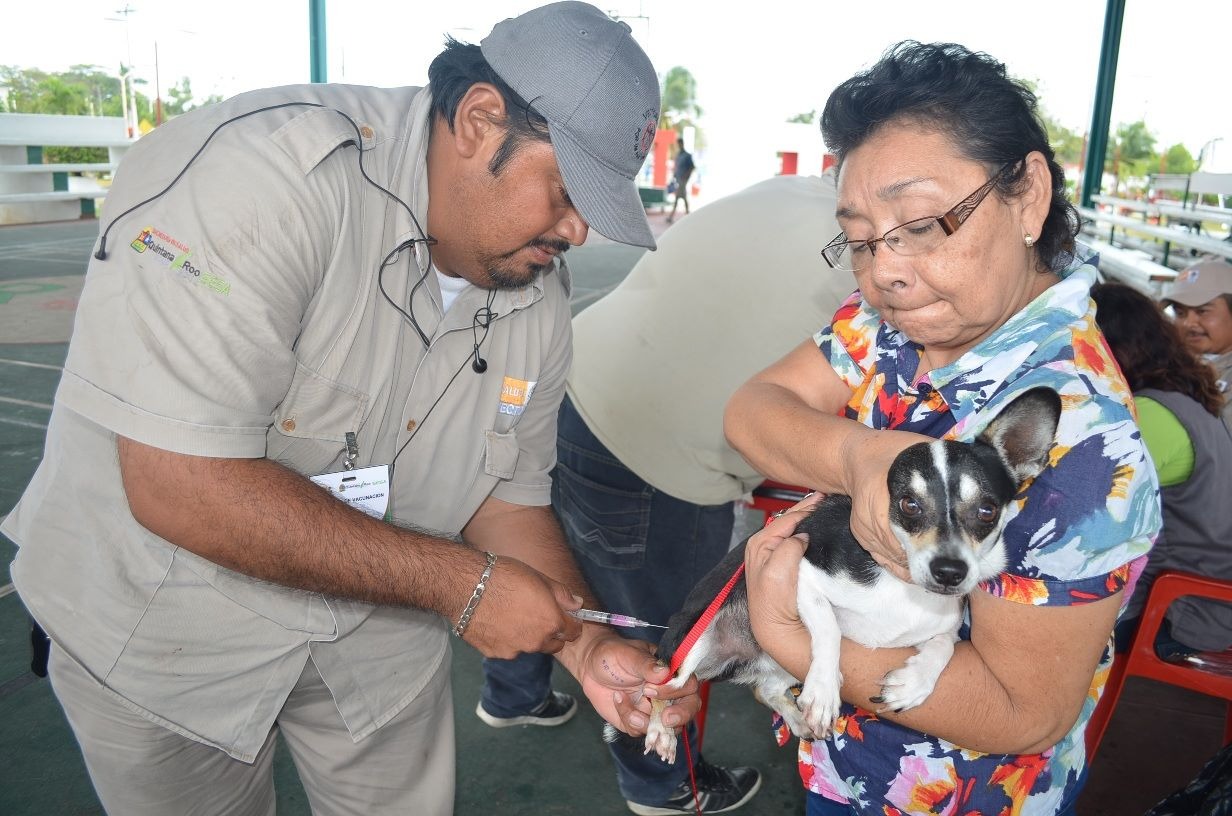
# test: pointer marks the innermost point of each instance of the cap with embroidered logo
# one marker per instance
(1201, 283)
(587, 76)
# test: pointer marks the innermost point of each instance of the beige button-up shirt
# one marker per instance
(239, 315)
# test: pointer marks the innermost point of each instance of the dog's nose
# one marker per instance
(948, 572)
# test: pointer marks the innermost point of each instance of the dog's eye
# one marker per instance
(986, 513)
(909, 506)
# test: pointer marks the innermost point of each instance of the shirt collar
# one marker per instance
(967, 384)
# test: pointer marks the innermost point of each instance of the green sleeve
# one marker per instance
(1166, 441)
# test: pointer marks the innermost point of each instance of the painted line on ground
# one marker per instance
(21, 423)
(31, 365)
(25, 403)
(50, 246)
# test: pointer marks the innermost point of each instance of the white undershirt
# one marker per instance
(450, 288)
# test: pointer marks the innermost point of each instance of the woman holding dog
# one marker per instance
(971, 292)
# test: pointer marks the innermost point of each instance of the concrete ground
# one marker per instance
(1157, 741)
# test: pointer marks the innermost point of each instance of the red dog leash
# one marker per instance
(682, 651)
(686, 645)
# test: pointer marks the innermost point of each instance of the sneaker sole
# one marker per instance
(506, 722)
(655, 810)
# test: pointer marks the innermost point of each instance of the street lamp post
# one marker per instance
(128, 95)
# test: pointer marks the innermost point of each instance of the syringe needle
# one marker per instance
(611, 619)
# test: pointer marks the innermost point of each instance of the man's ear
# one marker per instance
(479, 118)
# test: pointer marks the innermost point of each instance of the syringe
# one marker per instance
(611, 619)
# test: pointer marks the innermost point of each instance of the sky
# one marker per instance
(755, 63)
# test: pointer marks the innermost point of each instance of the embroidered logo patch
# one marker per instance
(1189, 275)
(515, 394)
(178, 256)
(645, 137)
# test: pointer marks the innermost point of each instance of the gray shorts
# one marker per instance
(140, 768)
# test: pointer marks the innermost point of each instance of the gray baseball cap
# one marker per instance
(587, 76)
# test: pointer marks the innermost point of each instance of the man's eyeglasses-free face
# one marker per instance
(913, 238)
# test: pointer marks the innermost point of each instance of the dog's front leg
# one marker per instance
(909, 686)
(820, 700)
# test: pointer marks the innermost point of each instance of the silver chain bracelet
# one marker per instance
(471, 605)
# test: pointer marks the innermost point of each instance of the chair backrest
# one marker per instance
(770, 497)
(1142, 661)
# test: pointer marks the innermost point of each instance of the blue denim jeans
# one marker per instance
(641, 551)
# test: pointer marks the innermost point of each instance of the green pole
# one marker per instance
(1097, 144)
(316, 34)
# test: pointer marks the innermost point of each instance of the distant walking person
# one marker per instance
(681, 174)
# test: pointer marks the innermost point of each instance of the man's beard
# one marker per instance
(505, 273)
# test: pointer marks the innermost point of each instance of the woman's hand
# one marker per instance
(620, 676)
(868, 457)
(771, 568)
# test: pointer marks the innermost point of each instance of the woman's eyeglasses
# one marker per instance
(913, 238)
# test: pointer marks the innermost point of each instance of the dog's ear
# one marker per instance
(1023, 432)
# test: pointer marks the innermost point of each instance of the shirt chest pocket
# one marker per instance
(311, 423)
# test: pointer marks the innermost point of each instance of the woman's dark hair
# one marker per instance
(451, 75)
(968, 97)
(1149, 348)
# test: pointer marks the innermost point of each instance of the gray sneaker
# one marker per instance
(557, 709)
(718, 791)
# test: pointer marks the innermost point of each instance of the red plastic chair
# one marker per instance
(770, 497)
(1207, 672)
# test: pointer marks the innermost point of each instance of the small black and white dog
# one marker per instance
(946, 509)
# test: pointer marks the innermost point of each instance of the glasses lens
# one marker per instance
(915, 237)
(836, 255)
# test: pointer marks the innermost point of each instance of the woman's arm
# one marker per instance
(1016, 687)
(786, 422)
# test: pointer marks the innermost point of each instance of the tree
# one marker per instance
(179, 98)
(102, 90)
(86, 90)
(679, 103)
(21, 88)
(1130, 151)
(804, 118)
(1178, 159)
(1066, 144)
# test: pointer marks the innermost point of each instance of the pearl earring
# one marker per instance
(1029, 240)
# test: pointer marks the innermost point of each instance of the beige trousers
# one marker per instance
(142, 769)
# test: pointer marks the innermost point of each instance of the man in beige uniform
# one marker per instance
(392, 321)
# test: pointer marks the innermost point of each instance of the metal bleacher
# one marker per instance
(33, 191)
(1144, 243)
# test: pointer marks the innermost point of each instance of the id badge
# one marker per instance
(365, 489)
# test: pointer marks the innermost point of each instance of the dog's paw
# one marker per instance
(820, 703)
(909, 686)
(794, 718)
(660, 738)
